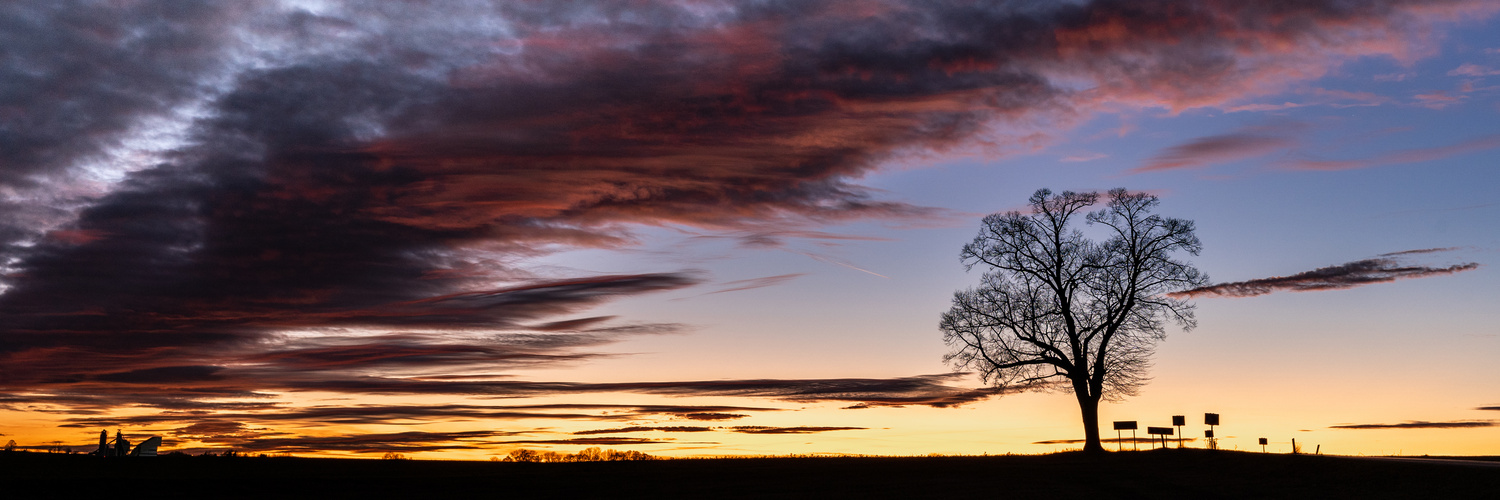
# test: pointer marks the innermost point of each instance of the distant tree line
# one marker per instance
(586, 455)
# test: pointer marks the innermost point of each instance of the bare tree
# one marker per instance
(1056, 309)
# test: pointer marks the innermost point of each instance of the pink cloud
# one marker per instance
(1438, 99)
(1416, 155)
(1082, 157)
(1249, 142)
(1394, 77)
(1473, 70)
(753, 283)
(1319, 97)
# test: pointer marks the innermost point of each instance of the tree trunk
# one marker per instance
(1089, 405)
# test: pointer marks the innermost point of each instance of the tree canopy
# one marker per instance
(1056, 309)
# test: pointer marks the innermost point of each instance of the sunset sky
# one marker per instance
(689, 228)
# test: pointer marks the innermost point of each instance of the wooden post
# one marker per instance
(1121, 425)
(1211, 419)
(1159, 434)
(1178, 421)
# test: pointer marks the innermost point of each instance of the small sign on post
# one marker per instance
(1121, 425)
(1211, 419)
(1159, 433)
(1178, 421)
(1262, 445)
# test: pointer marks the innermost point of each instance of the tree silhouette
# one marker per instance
(1058, 310)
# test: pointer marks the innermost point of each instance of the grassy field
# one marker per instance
(1148, 474)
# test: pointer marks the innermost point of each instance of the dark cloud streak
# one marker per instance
(756, 429)
(924, 390)
(398, 414)
(678, 428)
(1418, 425)
(1343, 276)
(1215, 149)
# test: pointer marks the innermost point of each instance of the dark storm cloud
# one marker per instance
(1419, 425)
(169, 399)
(163, 375)
(1350, 275)
(75, 76)
(347, 174)
(130, 355)
(76, 80)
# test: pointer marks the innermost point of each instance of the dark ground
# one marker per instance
(1148, 474)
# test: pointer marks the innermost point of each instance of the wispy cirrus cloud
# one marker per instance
(620, 430)
(1082, 157)
(1343, 276)
(1396, 157)
(1319, 97)
(1394, 77)
(1417, 424)
(410, 441)
(1248, 142)
(1420, 251)
(753, 429)
(595, 441)
(1470, 69)
(753, 283)
(923, 390)
(741, 429)
(1438, 99)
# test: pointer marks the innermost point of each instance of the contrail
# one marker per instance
(832, 260)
